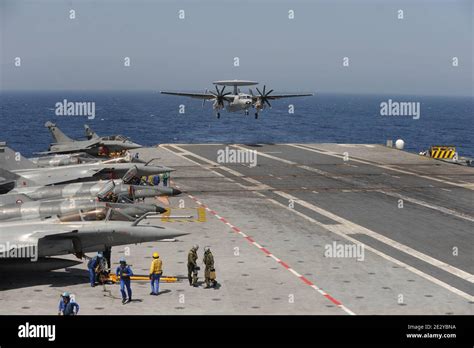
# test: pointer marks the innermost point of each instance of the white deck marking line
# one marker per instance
(233, 172)
(334, 154)
(379, 253)
(279, 261)
(285, 265)
(353, 228)
(294, 272)
(275, 258)
(334, 229)
(391, 194)
(428, 205)
(350, 226)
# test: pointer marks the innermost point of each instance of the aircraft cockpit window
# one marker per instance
(91, 215)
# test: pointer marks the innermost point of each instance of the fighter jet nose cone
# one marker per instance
(160, 210)
(176, 192)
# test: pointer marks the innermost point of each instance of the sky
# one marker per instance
(304, 54)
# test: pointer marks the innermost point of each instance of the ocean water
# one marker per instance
(149, 118)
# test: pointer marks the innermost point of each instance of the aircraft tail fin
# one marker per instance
(9, 181)
(90, 134)
(11, 160)
(57, 134)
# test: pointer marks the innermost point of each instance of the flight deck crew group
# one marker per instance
(193, 268)
(68, 306)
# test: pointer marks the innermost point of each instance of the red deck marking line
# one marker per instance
(332, 299)
(265, 251)
(304, 279)
(284, 264)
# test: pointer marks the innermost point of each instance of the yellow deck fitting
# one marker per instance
(168, 217)
(201, 214)
(164, 279)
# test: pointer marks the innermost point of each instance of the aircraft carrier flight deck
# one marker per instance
(276, 228)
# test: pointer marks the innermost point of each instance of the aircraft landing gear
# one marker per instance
(218, 115)
(246, 112)
(256, 115)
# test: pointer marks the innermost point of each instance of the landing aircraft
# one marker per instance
(236, 100)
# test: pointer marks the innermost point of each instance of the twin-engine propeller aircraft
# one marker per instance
(237, 101)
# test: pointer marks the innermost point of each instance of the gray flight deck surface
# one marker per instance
(269, 226)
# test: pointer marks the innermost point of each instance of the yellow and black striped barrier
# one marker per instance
(442, 152)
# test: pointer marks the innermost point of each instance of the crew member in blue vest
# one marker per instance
(125, 272)
(92, 265)
(67, 306)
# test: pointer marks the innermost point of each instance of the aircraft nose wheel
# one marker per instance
(218, 115)
(246, 112)
(256, 115)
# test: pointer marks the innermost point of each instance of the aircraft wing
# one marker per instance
(60, 175)
(71, 147)
(28, 235)
(280, 96)
(191, 95)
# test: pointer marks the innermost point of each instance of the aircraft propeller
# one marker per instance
(263, 97)
(220, 96)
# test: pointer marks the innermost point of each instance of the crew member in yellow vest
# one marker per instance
(156, 270)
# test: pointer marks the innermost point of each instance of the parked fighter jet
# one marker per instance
(90, 189)
(63, 159)
(237, 101)
(95, 146)
(77, 234)
(25, 209)
(20, 170)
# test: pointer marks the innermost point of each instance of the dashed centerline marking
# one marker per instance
(268, 253)
(344, 235)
